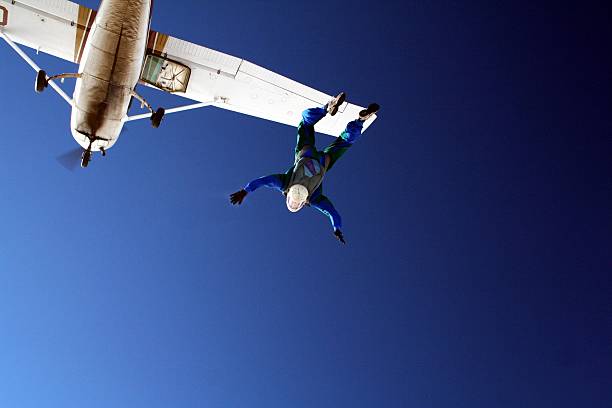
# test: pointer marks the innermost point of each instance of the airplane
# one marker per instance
(116, 50)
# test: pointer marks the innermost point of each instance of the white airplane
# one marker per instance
(116, 50)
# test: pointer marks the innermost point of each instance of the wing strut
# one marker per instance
(172, 110)
(36, 68)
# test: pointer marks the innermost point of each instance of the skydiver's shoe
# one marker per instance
(334, 104)
(368, 113)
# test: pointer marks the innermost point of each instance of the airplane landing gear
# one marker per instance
(157, 117)
(86, 157)
(41, 81)
(87, 154)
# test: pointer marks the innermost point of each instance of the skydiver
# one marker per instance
(302, 183)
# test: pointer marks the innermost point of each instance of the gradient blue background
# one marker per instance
(476, 210)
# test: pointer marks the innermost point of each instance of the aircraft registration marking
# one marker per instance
(3, 16)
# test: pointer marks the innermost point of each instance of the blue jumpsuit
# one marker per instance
(331, 154)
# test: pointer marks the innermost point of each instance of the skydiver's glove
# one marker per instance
(238, 197)
(339, 236)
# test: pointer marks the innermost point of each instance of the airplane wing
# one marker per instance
(61, 28)
(232, 83)
(56, 27)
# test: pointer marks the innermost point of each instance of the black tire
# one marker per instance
(157, 117)
(85, 159)
(41, 81)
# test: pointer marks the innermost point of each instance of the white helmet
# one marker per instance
(296, 197)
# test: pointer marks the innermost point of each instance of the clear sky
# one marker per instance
(476, 211)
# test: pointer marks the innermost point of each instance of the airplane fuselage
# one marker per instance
(110, 66)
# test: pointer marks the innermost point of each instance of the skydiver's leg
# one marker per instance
(350, 135)
(339, 146)
(306, 132)
(310, 117)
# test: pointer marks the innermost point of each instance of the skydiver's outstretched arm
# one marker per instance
(324, 205)
(275, 181)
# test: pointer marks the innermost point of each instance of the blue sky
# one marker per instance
(476, 210)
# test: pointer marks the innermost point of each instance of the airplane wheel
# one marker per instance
(85, 159)
(41, 81)
(157, 117)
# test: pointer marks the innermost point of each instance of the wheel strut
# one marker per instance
(156, 116)
(42, 81)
